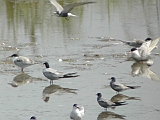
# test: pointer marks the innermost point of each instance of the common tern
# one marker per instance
(33, 118)
(22, 61)
(143, 52)
(53, 74)
(77, 112)
(120, 87)
(107, 103)
(65, 12)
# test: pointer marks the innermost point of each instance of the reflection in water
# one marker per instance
(109, 115)
(142, 69)
(55, 89)
(122, 98)
(22, 79)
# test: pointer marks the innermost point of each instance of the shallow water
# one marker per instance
(80, 44)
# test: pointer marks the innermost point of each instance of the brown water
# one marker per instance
(79, 44)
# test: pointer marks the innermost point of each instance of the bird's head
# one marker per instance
(113, 79)
(99, 94)
(148, 39)
(14, 55)
(76, 106)
(46, 64)
(33, 118)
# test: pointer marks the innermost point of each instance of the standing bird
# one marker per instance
(54, 74)
(21, 61)
(143, 52)
(33, 118)
(120, 87)
(65, 12)
(107, 103)
(77, 112)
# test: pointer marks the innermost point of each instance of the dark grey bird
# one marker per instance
(65, 12)
(33, 118)
(107, 103)
(120, 87)
(55, 75)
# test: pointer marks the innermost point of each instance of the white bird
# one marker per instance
(77, 112)
(55, 75)
(22, 61)
(64, 12)
(33, 118)
(143, 52)
(120, 87)
(107, 103)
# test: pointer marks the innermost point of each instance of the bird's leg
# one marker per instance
(22, 70)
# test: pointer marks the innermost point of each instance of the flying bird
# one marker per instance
(65, 12)
(77, 112)
(22, 61)
(118, 87)
(143, 52)
(107, 103)
(53, 74)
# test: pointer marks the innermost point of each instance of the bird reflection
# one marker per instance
(55, 89)
(122, 98)
(22, 79)
(142, 69)
(106, 115)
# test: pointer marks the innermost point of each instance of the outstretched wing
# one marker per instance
(57, 5)
(69, 7)
(153, 44)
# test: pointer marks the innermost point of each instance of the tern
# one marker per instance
(77, 112)
(107, 103)
(118, 87)
(22, 61)
(33, 118)
(53, 74)
(143, 52)
(65, 12)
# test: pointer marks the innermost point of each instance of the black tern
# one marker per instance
(107, 103)
(55, 75)
(77, 112)
(64, 12)
(21, 61)
(120, 87)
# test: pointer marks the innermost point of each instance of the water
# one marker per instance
(79, 44)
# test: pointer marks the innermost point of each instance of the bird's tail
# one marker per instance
(133, 87)
(120, 103)
(68, 75)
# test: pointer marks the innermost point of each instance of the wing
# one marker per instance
(153, 44)
(69, 7)
(51, 74)
(57, 5)
(118, 86)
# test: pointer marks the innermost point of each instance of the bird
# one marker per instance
(33, 118)
(65, 12)
(22, 61)
(55, 89)
(53, 74)
(107, 103)
(77, 112)
(118, 87)
(143, 52)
